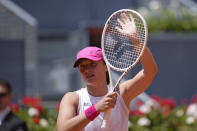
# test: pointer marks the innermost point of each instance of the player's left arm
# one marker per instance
(139, 83)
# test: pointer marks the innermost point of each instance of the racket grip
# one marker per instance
(106, 119)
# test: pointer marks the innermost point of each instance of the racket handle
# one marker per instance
(106, 119)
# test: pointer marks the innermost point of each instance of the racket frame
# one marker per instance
(106, 119)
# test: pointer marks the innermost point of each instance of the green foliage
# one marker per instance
(164, 116)
(35, 123)
(168, 20)
(36, 116)
(157, 114)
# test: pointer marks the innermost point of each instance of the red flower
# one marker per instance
(168, 103)
(194, 99)
(14, 107)
(157, 98)
(28, 101)
(36, 120)
(57, 106)
(139, 102)
(39, 108)
(136, 113)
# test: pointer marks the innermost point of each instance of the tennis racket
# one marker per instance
(124, 39)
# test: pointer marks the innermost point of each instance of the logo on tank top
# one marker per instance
(86, 104)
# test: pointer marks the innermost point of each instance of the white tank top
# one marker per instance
(119, 114)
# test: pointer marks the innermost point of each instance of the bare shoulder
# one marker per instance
(70, 98)
(70, 103)
(68, 108)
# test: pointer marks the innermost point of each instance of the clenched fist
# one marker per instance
(107, 102)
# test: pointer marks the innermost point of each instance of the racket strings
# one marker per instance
(119, 50)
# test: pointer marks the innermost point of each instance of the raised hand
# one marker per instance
(128, 29)
(127, 23)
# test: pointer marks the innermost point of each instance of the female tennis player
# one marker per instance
(83, 110)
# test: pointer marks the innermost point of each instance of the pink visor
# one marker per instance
(91, 53)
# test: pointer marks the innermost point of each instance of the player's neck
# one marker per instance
(97, 91)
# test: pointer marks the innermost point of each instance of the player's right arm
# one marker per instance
(68, 120)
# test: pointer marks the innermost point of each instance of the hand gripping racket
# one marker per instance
(123, 42)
